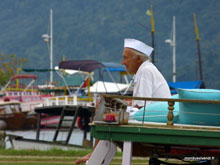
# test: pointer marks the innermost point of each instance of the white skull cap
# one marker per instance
(138, 45)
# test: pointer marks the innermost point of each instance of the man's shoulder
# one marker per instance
(147, 67)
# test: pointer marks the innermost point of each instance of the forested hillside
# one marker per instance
(95, 29)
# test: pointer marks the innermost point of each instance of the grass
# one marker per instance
(58, 157)
(52, 152)
(54, 156)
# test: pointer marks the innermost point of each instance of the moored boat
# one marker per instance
(14, 118)
(27, 95)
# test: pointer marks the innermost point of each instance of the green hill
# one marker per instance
(95, 29)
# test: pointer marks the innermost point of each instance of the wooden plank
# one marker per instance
(157, 135)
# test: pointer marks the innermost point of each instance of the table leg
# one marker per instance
(127, 153)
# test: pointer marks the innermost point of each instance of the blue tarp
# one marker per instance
(114, 67)
(174, 86)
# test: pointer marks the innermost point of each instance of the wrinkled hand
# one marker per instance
(83, 159)
(139, 107)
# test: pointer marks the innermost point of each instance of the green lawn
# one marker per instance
(58, 157)
(55, 156)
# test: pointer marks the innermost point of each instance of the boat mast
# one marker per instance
(152, 33)
(174, 49)
(49, 39)
(51, 46)
(173, 44)
(198, 47)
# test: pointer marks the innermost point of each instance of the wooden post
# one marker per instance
(144, 111)
(170, 115)
(38, 127)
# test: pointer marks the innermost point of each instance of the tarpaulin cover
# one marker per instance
(37, 70)
(114, 67)
(82, 65)
(174, 86)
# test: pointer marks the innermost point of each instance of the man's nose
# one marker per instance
(122, 62)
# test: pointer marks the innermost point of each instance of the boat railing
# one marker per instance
(21, 90)
(28, 102)
(117, 102)
(69, 100)
(30, 106)
(60, 100)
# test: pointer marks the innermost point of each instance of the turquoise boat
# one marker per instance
(185, 112)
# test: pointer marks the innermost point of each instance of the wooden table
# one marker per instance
(149, 139)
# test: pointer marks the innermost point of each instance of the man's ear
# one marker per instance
(139, 60)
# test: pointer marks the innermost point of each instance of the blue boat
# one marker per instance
(184, 112)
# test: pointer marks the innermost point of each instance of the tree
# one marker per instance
(8, 66)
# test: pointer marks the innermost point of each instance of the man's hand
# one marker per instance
(83, 159)
(139, 107)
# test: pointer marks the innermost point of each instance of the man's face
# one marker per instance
(130, 60)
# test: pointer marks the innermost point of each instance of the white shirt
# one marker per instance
(149, 82)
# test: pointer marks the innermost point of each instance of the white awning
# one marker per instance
(107, 87)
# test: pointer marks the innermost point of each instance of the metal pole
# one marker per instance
(174, 49)
(153, 55)
(152, 34)
(51, 46)
(198, 47)
(200, 62)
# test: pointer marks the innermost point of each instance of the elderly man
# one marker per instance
(148, 82)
